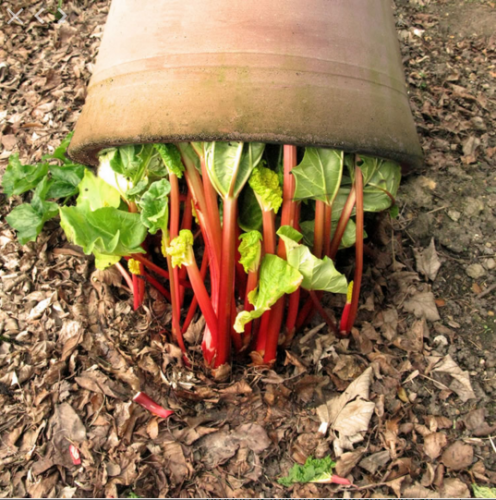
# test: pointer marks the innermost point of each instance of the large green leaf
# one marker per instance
(189, 155)
(250, 214)
(318, 274)
(229, 164)
(277, 278)
(172, 158)
(154, 206)
(95, 193)
(65, 180)
(19, 178)
(318, 176)
(28, 219)
(382, 187)
(107, 232)
(60, 151)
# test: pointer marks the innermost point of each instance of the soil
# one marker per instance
(73, 353)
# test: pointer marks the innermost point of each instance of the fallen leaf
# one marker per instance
(376, 461)
(458, 456)
(454, 488)
(428, 262)
(418, 491)
(347, 461)
(434, 444)
(423, 305)
(461, 380)
(475, 422)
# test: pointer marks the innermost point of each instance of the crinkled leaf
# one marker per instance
(483, 491)
(133, 193)
(265, 185)
(106, 232)
(154, 206)
(277, 278)
(318, 274)
(28, 219)
(315, 469)
(65, 180)
(181, 249)
(250, 213)
(172, 158)
(250, 250)
(229, 164)
(318, 176)
(19, 178)
(95, 193)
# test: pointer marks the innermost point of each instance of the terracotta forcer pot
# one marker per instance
(322, 72)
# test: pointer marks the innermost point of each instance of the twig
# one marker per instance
(492, 443)
(487, 291)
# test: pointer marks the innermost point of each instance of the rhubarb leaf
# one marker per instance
(277, 278)
(230, 164)
(318, 176)
(65, 180)
(265, 185)
(181, 249)
(106, 232)
(368, 165)
(483, 491)
(250, 250)
(314, 470)
(95, 193)
(60, 151)
(19, 178)
(250, 213)
(28, 219)
(154, 206)
(380, 192)
(318, 274)
(172, 158)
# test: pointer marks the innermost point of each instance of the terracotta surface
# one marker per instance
(321, 72)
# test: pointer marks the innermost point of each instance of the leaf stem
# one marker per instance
(126, 276)
(318, 235)
(226, 290)
(357, 281)
(343, 222)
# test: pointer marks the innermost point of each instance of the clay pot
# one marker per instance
(323, 72)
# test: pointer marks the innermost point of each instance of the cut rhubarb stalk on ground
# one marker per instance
(146, 402)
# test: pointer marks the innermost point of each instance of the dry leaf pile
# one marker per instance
(405, 406)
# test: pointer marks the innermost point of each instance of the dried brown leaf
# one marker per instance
(458, 456)
(427, 260)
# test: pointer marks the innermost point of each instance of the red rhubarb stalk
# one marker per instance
(157, 285)
(358, 249)
(343, 222)
(146, 402)
(226, 290)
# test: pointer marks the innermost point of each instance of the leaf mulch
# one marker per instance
(405, 406)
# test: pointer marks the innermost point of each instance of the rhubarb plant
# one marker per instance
(265, 228)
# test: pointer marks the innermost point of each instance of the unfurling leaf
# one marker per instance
(315, 470)
(19, 178)
(265, 185)
(154, 206)
(277, 278)
(250, 250)
(181, 249)
(318, 176)
(318, 274)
